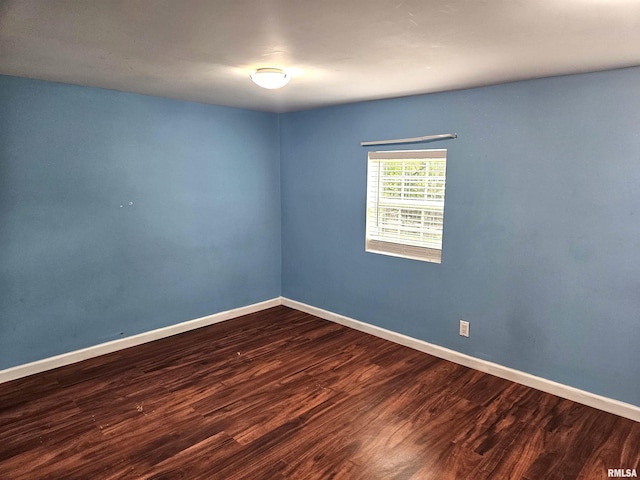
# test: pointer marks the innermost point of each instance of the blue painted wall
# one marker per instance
(541, 242)
(541, 232)
(76, 268)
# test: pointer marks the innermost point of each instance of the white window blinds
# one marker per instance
(405, 203)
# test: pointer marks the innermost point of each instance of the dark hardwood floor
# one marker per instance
(284, 395)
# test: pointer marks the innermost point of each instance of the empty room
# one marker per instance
(295, 239)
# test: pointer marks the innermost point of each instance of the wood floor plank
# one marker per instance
(281, 394)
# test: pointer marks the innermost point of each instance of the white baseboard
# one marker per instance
(606, 404)
(122, 343)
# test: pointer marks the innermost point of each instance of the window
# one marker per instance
(405, 203)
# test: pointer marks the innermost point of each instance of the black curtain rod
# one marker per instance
(427, 138)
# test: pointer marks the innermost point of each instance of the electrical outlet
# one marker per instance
(464, 328)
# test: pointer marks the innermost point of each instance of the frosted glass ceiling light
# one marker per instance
(270, 78)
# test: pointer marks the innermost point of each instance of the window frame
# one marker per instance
(426, 248)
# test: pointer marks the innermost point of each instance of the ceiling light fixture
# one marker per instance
(270, 78)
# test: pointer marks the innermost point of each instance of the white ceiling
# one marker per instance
(337, 51)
